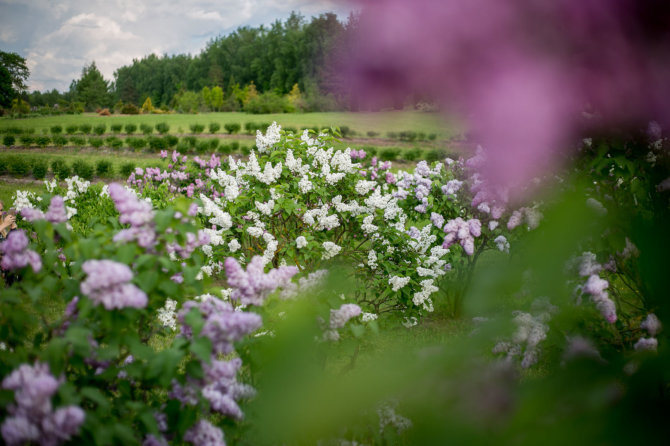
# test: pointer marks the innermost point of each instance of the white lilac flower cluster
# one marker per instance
(531, 329)
(338, 319)
(652, 325)
(389, 417)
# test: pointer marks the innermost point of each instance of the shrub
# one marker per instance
(56, 129)
(345, 131)
(162, 128)
(100, 129)
(136, 143)
(40, 167)
(130, 128)
(27, 140)
(83, 169)
(214, 127)
(18, 166)
(146, 129)
(60, 168)
(127, 169)
(104, 112)
(432, 136)
(268, 102)
(420, 136)
(130, 109)
(182, 147)
(392, 135)
(191, 141)
(224, 148)
(95, 142)
(156, 143)
(407, 135)
(171, 140)
(250, 127)
(213, 144)
(16, 131)
(233, 127)
(114, 142)
(291, 130)
(197, 128)
(202, 146)
(103, 168)
(85, 128)
(59, 140)
(78, 141)
(8, 140)
(370, 150)
(389, 154)
(246, 150)
(436, 155)
(42, 140)
(413, 154)
(116, 128)
(234, 146)
(372, 134)
(71, 129)
(3, 164)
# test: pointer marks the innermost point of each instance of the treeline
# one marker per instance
(288, 66)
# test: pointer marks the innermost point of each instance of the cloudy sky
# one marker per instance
(59, 37)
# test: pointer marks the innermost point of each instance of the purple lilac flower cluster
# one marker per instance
(55, 214)
(32, 419)
(420, 181)
(252, 286)
(357, 154)
(108, 284)
(15, 252)
(376, 167)
(135, 212)
(223, 325)
(205, 434)
(192, 242)
(464, 232)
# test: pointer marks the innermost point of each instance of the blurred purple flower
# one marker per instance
(252, 286)
(521, 72)
(15, 252)
(203, 433)
(108, 284)
(56, 212)
(32, 419)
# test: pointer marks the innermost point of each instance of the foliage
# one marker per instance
(91, 89)
(130, 128)
(232, 127)
(162, 128)
(214, 127)
(8, 140)
(60, 169)
(147, 106)
(100, 129)
(104, 168)
(14, 73)
(83, 169)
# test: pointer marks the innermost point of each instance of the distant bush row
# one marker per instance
(38, 168)
(230, 128)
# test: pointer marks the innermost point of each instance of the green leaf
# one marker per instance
(194, 320)
(202, 348)
(357, 330)
(194, 369)
(96, 396)
(147, 280)
(125, 253)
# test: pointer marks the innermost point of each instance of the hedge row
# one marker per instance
(151, 143)
(231, 128)
(22, 166)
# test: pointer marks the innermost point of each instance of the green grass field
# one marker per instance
(382, 122)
